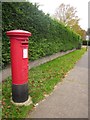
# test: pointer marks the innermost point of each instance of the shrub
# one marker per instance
(48, 35)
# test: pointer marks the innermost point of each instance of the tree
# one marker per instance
(79, 30)
(67, 15)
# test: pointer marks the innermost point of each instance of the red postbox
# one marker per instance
(19, 64)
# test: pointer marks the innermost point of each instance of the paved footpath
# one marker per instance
(69, 98)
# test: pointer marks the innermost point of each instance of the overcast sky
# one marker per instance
(49, 6)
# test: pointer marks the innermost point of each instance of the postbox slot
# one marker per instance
(24, 42)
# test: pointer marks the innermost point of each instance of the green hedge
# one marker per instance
(85, 42)
(48, 35)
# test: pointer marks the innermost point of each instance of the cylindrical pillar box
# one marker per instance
(19, 64)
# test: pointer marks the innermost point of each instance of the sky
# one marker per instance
(49, 6)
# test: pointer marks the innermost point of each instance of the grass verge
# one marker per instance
(42, 80)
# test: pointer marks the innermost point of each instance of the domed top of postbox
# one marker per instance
(18, 33)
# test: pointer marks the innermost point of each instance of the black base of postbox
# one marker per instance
(20, 93)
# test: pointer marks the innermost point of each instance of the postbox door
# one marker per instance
(25, 62)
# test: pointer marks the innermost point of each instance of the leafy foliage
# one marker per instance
(67, 15)
(85, 42)
(48, 35)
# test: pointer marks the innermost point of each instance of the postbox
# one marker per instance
(19, 64)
